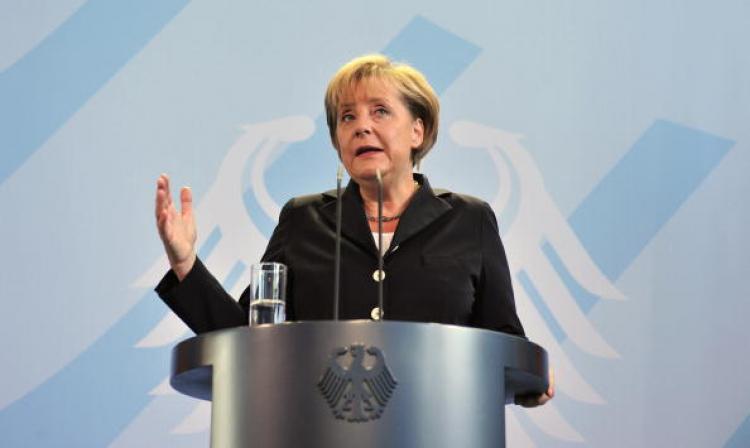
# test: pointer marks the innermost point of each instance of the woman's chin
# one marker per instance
(364, 177)
(367, 172)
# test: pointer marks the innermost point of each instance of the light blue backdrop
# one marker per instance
(611, 137)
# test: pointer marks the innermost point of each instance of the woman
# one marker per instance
(443, 258)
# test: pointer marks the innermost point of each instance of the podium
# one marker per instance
(358, 383)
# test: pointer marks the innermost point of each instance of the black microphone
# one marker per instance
(337, 254)
(380, 245)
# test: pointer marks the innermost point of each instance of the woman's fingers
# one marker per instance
(186, 202)
(165, 211)
(163, 198)
(551, 389)
(176, 229)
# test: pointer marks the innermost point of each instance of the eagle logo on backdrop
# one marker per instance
(357, 393)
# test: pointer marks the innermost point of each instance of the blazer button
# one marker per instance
(378, 275)
(375, 314)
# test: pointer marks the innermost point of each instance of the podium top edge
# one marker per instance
(365, 323)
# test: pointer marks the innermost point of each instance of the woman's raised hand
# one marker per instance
(176, 229)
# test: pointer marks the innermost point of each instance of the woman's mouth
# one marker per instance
(365, 150)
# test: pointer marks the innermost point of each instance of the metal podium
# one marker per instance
(358, 383)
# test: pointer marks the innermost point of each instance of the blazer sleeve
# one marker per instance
(494, 304)
(200, 300)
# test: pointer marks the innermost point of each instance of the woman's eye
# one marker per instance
(347, 117)
(381, 111)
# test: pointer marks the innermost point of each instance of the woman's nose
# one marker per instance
(363, 126)
(361, 131)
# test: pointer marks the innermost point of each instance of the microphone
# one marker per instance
(337, 253)
(380, 244)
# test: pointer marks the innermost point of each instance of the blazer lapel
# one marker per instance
(353, 222)
(424, 208)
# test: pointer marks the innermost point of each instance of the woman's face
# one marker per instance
(375, 130)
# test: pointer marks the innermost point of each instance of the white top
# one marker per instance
(387, 238)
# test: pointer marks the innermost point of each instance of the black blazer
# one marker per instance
(446, 264)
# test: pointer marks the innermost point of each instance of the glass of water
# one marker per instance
(267, 293)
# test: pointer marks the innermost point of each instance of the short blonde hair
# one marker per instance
(417, 94)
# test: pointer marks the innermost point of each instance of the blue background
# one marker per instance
(634, 113)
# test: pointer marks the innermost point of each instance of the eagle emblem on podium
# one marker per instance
(359, 391)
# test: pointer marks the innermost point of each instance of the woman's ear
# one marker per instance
(417, 133)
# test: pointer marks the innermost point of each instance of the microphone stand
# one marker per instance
(380, 245)
(337, 254)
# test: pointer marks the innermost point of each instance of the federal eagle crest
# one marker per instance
(357, 393)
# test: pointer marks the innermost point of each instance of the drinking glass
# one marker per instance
(267, 293)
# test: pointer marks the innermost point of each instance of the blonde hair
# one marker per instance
(416, 92)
